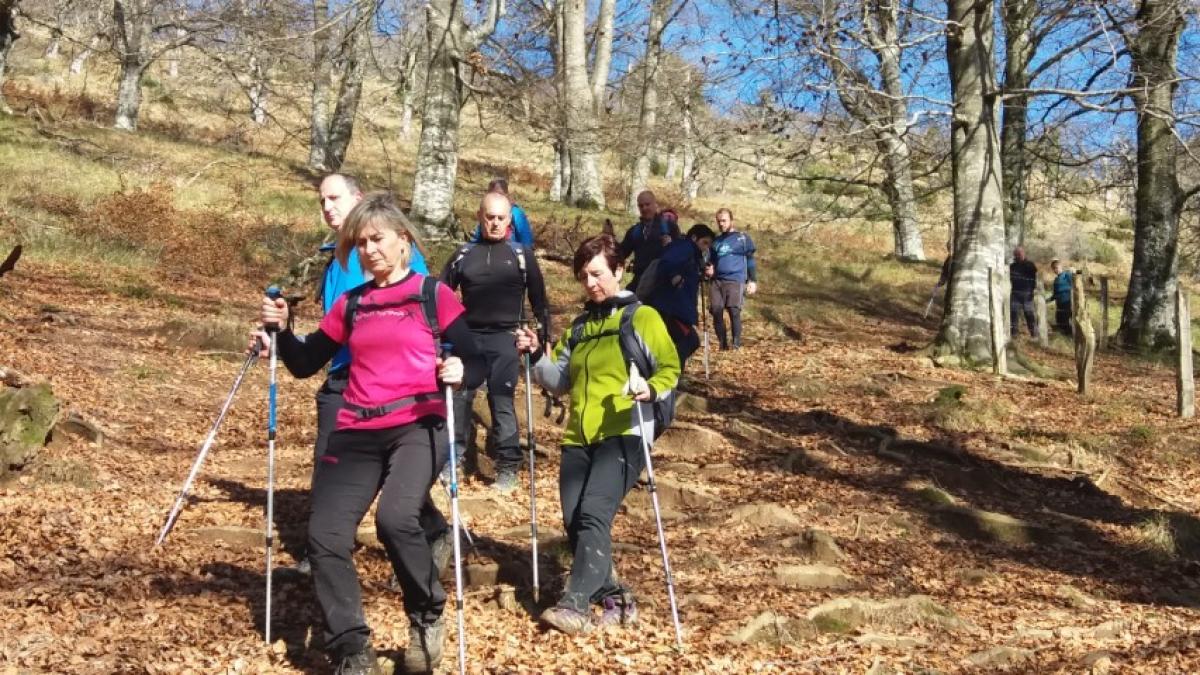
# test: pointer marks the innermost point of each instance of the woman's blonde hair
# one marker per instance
(380, 210)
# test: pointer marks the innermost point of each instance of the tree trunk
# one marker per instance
(586, 188)
(560, 181)
(1019, 18)
(893, 136)
(672, 170)
(450, 41)
(978, 199)
(689, 181)
(82, 57)
(1148, 318)
(437, 157)
(8, 35)
(129, 95)
(603, 58)
(173, 62)
(341, 125)
(318, 139)
(405, 89)
(258, 91)
(639, 177)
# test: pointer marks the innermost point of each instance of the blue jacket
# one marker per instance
(520, 231)
(733, 257)
(338, 279)
(1062, 287)
(646, 247)
(683, 258)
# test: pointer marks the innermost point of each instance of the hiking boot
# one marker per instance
(425, 643)
(359, 663)
(506, 482)
(442, 548)
(619, 610)
(568, 620)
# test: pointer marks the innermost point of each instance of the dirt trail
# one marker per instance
(1019, 511)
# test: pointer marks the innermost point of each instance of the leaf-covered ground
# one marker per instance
(1050, 533)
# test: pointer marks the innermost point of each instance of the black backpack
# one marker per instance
(633, 352)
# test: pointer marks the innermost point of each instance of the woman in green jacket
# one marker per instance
(602, 452)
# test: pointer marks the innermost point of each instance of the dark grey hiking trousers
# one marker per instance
(504, 365)
(592, 482)
(398, 465)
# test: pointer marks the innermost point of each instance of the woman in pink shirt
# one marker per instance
(391, 437)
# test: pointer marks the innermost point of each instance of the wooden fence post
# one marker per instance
(999, 339)
(1185, 384)
(1085, 334)
(1104, 312)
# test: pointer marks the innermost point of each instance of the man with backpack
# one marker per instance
(677, 287)
(520, 232)
(494, 276)
(731, 268)
(644, 242)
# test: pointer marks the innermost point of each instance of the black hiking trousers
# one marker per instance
(399, 465)
(504, 365)
(329, 401)
(592, 482)
(1022, 304)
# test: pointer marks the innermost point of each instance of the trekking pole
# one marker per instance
(454, 519)
(208, 442)
(662, 538)
(704, 323)
(533, 538)
(272, 329)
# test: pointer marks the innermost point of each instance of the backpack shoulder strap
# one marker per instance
(632, 349)
(352, 297)
(576, 334)
(461, 253)
(428, 300)
(519, 250)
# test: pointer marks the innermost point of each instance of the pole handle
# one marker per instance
(273, 292)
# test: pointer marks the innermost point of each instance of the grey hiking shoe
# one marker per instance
(425, 642)
(619, 610)
(506, 482)
(359, 663)
(568, 620)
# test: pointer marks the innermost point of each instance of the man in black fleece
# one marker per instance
(494, 275)
(1023, 275)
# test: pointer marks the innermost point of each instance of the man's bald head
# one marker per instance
(647, 205)
(495, 216)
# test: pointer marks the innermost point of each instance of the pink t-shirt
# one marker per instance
(392, 355)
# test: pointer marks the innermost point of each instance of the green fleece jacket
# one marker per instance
(595, 372)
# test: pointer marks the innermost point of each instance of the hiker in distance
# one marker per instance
(732, 271)
(521, 232)
(644, 242)
(678, 286)
(338, 194)
(602, 455)
(390, 438)
(1023, 277)
(494, 275)
(1061, 296)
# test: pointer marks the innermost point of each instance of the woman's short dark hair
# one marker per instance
(701, 231)
(601, 244)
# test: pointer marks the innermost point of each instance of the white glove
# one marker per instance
(636, 386)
